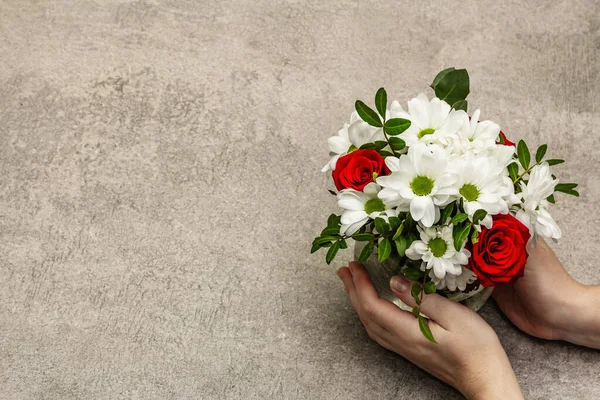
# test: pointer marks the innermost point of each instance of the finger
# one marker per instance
(346, 277)
(381, 311)
(445, 312)
(373, 328)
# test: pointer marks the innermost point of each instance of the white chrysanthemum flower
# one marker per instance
(357, 133)
(534, 209)
(420, 179)
(482, 186)
(432, 121)
(454, 282)
(436, 249)
(474, 135)
(360, 206)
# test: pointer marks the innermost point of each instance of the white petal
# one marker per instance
(350, 217)
(350, 203)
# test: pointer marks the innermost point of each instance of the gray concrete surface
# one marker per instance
(160, 186)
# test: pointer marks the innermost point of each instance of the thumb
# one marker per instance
(438, 308)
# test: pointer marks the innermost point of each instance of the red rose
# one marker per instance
(355, 170)
(500, 254)
(506, 141)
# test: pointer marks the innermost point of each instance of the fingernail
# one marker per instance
(400, 284)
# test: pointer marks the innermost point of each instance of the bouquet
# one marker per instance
(446, 194)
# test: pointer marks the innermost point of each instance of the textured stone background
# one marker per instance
(160, 186)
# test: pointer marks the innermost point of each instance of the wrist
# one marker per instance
(493, 380)
(582, 326)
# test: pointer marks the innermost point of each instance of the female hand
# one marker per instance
(547, 303)
(468, 355)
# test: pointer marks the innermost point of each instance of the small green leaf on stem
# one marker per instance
(424, 327)
(381, 102)
(460, 235)
(513, 171)
(430, 287)
(401, 246)
(554, 161)
(412, 273)
(363, 237)
(381, 225)
(478, 216)
(385, 249)
(458, 218)
(396, 126)
(332, 252)
(397, 143)
(366, 252)
(446, 212)
(394, 223)
(474, 236)
(367, 114)
(523, 153)
(415, 290)
(540, 153)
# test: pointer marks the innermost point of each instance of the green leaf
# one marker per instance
(562, 186)
(568, 191)
(381, 102)
(416, 311)
(333, 220)
(363, 237)
(385, 153)
(314, 248)
(398, 231)
(460, 105)
(430, 287)
(554, 161)
(540, 153)
(513, 170)
(439, 76)
(332, 192)
(343, 244)
(460, 235)
(324, 239)
(368, 146)
(397, 143)
(412, 273)
(500, 139)
(446, 212)
(401, 245)
(551, 199)
(331, 231)
(415, 290)
(378, 145)
(367, 114)
(366, 252)
(332, 252)
(458, 218)
(394, 223)
(523, 153)
(453, 86)
(381, 225)
(567, 188)
(385, 249)
(396, 126)
(475, 236)
(424, 327)
(478, 216)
